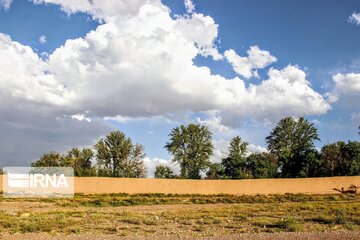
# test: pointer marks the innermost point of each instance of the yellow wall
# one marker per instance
(253, 186)
(91, 185)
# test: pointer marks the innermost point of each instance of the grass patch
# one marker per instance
(289, 224)
(198, 215)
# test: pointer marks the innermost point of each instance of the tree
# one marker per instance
(191, 147)
(292, 140)
(235, 164)
(117, 156)
(51, 159)
(80, 160)
(216, 171)
(262, 165)
(162, 171)
(341, 159)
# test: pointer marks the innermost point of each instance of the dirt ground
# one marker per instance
(344, 235)
(334, 217)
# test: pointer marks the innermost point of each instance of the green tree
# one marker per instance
(262, 165)
(216, 171)
(50, 159)
(117, 156)
(292, 140)
(80, 160)
(162, 171)
(191, 147)
(341, 159)
(235, 164)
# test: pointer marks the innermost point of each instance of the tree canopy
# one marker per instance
(291, 153)
(292, 140)
(162, 171)
(235, 164)
(117, 156)
(191, 147)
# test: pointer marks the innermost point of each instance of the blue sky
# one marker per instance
(317, 38)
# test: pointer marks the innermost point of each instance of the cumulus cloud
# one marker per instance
(213, 123)
(5, 4)
(355, 18)
(143, 66)
(286, 92)
(138, 63)
(42, 39)
(189, 6)
(100, 9)
(246, 66)
(347, 83)
(202, 31)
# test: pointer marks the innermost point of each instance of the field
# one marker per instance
(180, 216)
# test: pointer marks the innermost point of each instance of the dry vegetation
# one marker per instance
(180, 215)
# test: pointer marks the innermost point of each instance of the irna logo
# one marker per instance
(37, 180)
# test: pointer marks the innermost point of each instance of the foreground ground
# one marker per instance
(160, 216)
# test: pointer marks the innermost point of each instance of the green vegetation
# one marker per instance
(117, 156)
(162, 171)
(191, 147)
(291, 154)
(198, 215)
(235, 164)
(292, 141)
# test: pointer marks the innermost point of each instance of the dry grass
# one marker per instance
(180, 215)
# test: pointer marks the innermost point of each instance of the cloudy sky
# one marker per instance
(73, 70)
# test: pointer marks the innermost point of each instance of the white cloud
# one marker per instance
(143, 66)
(42, 39)
(5, 4)
(213, 123)
(190, 6)
(347, 83)
(138, 63)
(355, 18)
(104, 10)
(202, 31)
(246, 66)
(24, 77)
(286, 92)
(80, 117)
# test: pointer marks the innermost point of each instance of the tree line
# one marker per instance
(291, 153)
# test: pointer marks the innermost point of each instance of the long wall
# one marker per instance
(96, 185)
(175, 186)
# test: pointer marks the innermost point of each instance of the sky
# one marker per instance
(72, 71)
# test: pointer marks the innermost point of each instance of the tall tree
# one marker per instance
(341, 159)
(216, 171)
(117, 156)
(80, 160)
(191, 147)
(262, 165)
(162, 171)
(292, 140)
(235, 164)
(50, 159)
